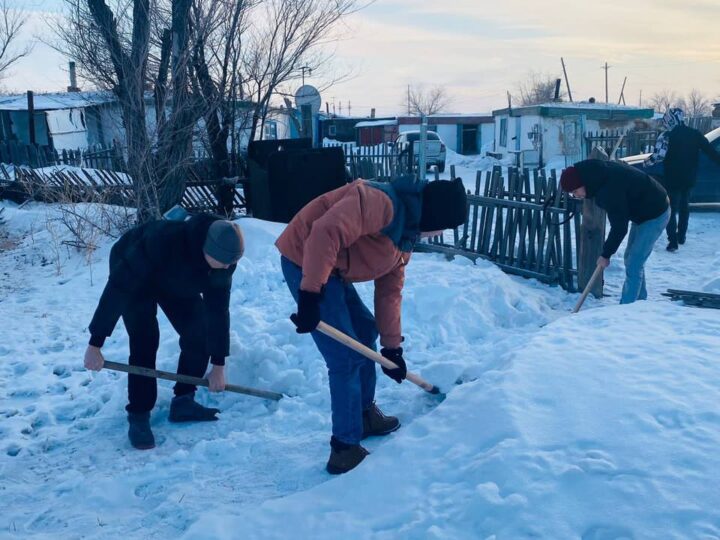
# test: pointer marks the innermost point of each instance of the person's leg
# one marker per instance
(365, 327)
(672, 226)
(342, 362)
(141, 324)
(187, 316)
(640, 246)
(683, 215)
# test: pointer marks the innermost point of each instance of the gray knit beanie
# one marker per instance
(224, 242)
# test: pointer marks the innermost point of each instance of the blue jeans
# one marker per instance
(352, 376)
(639, 247)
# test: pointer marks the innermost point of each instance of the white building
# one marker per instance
(67, 120)
(555, 132)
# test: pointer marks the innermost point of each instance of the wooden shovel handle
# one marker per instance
(187, 379)
(596, 274)
(368, 353)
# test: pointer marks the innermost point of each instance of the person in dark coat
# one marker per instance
(678, 148)
(186, 268)
(627, 195)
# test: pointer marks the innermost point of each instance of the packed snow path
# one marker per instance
(528, 435)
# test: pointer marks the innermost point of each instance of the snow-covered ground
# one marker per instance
(602, 425)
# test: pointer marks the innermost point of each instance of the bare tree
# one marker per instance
(12, 21)
(664, 99)
(538, 88)
(696, 104)
(114, 47)
(426, 101)
(285, 35)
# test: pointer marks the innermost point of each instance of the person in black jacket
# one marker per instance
(185, 268)
(678, 148)
(627, 195)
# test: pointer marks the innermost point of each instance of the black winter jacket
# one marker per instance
(166, 259)
(625, 193)
(681, 160)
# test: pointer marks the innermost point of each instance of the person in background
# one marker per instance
(364, 231)
(628, 195)
(678, 147)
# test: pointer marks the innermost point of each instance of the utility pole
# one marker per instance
(622, 92)
(606, 81)
(640, 98)
(303, 69)
(340, 107)
(349, 109)
(567, 83)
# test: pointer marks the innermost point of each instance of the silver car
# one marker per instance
(434, 147)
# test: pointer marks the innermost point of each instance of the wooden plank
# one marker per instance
(525, 217)
(488, 224)
(499, 207)
(475, 210)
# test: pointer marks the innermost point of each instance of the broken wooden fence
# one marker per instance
(523, 223)
(80, 185)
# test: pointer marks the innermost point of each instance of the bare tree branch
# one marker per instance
(12, 22)
(421, 101)
(538, 88)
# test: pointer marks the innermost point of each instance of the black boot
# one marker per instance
(672, 246)
(376, 423)
(344, 457)
(139, 432)
(185, 409)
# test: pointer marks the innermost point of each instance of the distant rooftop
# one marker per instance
(593, 110)
(54, 101)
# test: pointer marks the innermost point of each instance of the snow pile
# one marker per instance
(578, 435)
(600, 425)
(476, 162)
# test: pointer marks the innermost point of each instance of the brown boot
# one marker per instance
(376, 423)
(344, 457)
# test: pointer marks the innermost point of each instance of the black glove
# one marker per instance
(308, 314)
(395, 356)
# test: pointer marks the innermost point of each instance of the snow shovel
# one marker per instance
(596, 274)
(367, 352)
(187, 379)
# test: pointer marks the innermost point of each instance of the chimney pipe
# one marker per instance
(73, 79)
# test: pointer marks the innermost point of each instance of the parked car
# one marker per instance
(435, 151)
(707, 189)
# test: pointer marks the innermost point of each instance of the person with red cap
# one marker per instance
(628, 196)
(363, 231)
(186, 268)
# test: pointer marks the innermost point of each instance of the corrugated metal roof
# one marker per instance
(50, 102)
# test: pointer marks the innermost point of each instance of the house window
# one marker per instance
(503, 132)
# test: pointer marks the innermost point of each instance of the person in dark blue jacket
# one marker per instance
(186, 268)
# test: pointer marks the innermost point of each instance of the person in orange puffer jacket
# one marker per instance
(361, 232)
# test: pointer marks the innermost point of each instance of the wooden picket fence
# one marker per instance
(625, 143)
(380, 162)
(37, 156)
(523, 223)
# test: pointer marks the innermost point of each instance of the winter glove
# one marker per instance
(395, 356)
(308, 314)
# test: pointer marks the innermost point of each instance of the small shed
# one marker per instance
(551, 132)
(466, 134)
(374, 132)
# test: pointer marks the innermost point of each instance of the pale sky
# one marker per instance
(478, 50)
